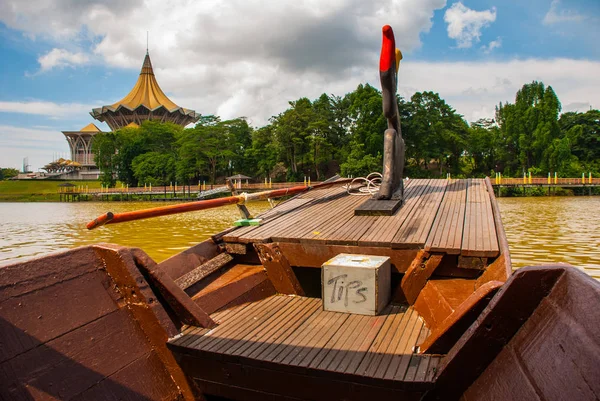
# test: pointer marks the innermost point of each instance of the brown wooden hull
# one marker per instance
(84, 325)
(106, 322)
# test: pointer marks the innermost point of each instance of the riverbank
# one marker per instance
(37, 190)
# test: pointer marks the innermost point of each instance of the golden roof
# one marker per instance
(132, 125)
(146, 92)
(91, 127)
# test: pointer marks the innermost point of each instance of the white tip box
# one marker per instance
(357, 284)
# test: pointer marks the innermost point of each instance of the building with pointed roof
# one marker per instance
(80, 144)
(146, 101)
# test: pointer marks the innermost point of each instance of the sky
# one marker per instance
(249, 58)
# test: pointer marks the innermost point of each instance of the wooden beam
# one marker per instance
(204, 270)
(181, 304)
(493, 329)
(445, 335)
(278, 269)
(417, 275)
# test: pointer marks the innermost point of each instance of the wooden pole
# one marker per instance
(111, 218)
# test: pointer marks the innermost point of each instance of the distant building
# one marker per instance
(146, 101)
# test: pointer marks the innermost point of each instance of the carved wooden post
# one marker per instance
(391, 192)
(278, 269)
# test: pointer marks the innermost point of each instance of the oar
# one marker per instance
(111, 218)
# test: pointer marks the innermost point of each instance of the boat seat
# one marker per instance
(450, 305)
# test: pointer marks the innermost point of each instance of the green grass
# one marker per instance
(36, 190)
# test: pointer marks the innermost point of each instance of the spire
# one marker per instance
(147, 66)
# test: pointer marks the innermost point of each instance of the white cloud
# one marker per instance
(45, 108)
(465, 24)
(475, 88)
(556, 15)
(494, 44)
(37, 144)
(60, 58)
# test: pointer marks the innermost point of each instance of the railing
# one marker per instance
(184, 188)
(546, 181)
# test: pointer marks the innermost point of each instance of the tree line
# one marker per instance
(344, 134)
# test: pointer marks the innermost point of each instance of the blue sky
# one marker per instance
(60, 58)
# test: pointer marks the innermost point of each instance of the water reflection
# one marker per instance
(33, 229)
(553, 229)
(539, 230)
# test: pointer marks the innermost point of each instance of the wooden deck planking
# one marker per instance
(446, 216)
(479, 235)
(447, 231)
(415, 230)
(263, 232)
(325, 230)
(295, 331)
(309, 223)
(348, 228)
(271, 214)
(385, 228)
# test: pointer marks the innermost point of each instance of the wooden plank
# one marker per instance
(380, 350)
(479, 235)
(311, 334)
(408, 349)
(415, 359)
(263, 233)
(278, 269)
(299, 383)
(385, 228)
(312, 347)
(219, 332)
(283, 330)
(364, 354)
(334, 217)
(307, 222)
(447, 231)
(204, 270)
(256, 329)
(336, 343)
(314, 255)
(418, 225)
(334, 359)
(401, 349)
(144, 379)
(234, 282)
(271, 214)
(227, 343)
(275, 352)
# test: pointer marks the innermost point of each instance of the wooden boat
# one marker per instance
(240, 316)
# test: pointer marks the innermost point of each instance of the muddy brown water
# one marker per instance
(539, 230)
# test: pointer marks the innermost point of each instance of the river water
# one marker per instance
(539, 230)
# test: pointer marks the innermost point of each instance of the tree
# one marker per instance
(154, 168)
(6, 173)
(105, 149)
(583, 133)
(292, 133)
(529, 128)
(359, 163)
(435, 132)
(263, 152)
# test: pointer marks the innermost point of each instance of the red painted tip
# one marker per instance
(388, 49)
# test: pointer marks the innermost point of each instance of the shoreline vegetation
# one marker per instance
(47, 191)
(343, 135)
